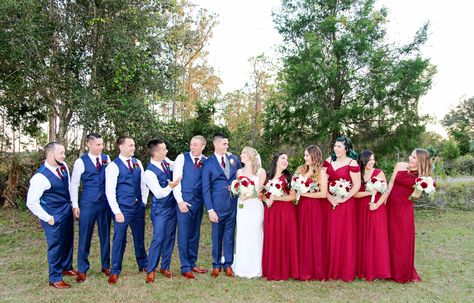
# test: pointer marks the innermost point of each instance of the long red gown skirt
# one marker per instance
(401, 229)
(280, 242)
(373, 255)
(311, 239)
(341, 231)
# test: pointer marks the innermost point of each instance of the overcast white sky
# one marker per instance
(246, 29)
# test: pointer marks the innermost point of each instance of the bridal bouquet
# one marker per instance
(303, 185)
(340, 189)
(242, 186)
(423, 185)
(375, 185)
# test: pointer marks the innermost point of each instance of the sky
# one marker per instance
(246, 29)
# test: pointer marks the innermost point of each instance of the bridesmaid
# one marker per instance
(341, 225)
(401, 216)
(311, 221)
(280, 238)
(373, 257)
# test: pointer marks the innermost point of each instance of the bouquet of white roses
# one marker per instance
(302, 185)
(375, 185)
(423, 185)
(242, 186)
(340, 189)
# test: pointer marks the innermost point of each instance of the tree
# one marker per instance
(460, 124)
(341, 76)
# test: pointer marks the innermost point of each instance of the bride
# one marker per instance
(249, 235)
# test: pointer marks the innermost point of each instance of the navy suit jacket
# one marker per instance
(215, 184)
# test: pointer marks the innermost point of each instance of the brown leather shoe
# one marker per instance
(199, 270)
(229, 272)
(150, 277)
(215, 272)
(189, 275)
(166, 273)
(113, 279)
(81, 277)
(70, 272)
(60, 285)
(106, 271)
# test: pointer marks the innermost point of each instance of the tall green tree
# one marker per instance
(460, 124)
(340, 75)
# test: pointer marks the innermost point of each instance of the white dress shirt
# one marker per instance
(111, 175)
(151, 180)
(178, 172)
(77, 172)
(38, 185)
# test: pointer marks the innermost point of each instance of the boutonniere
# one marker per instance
(104, 162)
(168, 166)
(232, 161)
(135, 165)
(199, 164)
(63, 168)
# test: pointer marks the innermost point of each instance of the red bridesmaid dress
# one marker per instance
(280, 241)
(341, 230)
(401, 228)
(373, 256)
(311, 238)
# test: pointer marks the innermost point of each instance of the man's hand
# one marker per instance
(76, 212)
(183, 206)
(173, 184)
(51, 221)
(213, 216)
(119, 218)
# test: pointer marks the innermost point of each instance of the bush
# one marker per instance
(450, 150)
(458, 195)
(462, 166)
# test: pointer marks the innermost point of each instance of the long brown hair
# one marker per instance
(424, 162)
(316, 162)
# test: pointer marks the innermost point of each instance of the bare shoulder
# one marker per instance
(401, 166)
(354, 163)
(328, 159)
(261, 172)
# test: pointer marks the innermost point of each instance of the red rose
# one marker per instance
(417, 180)
(278, 186)
(63, 168)
(308, 182)
(251, 182)
(348, 189)
(245, 183)
(302, 182)
(424, 185)
(236, 185)
(295, 179)
(104, 162)
(333, 183)
(373, 180)
(434, 183)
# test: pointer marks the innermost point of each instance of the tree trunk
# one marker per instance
(9, 194)
(52, 126)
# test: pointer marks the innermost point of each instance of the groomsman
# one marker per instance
(217, 174)
(163, 215)
(127, 195)
(189, 208)
(90, 170)
(48, 198)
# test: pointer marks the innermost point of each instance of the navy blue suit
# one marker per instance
(163, 217)
(56, 201)
(129, 199)
(189, 223)
(216, 194)
(94, 207)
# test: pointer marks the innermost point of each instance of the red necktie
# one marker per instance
(164, 168)
(97, 163)
(59, 174)
(196, 162)
(223, 162)
(129, 166)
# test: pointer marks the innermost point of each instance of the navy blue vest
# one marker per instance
(168, 201)
(93, 181)
(191, 184)
(56, 199)
(128, 184)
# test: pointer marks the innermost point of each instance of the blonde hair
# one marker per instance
(253, 156)
(424, 162)
(316, 162)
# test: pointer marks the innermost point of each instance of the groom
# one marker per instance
(217, 174)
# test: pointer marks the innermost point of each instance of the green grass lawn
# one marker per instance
(444, 259)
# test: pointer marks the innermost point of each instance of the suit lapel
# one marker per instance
(218, 165)
(232, 167)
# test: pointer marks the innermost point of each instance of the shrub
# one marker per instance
(459, 195)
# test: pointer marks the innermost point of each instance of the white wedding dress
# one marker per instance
(249, 237)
